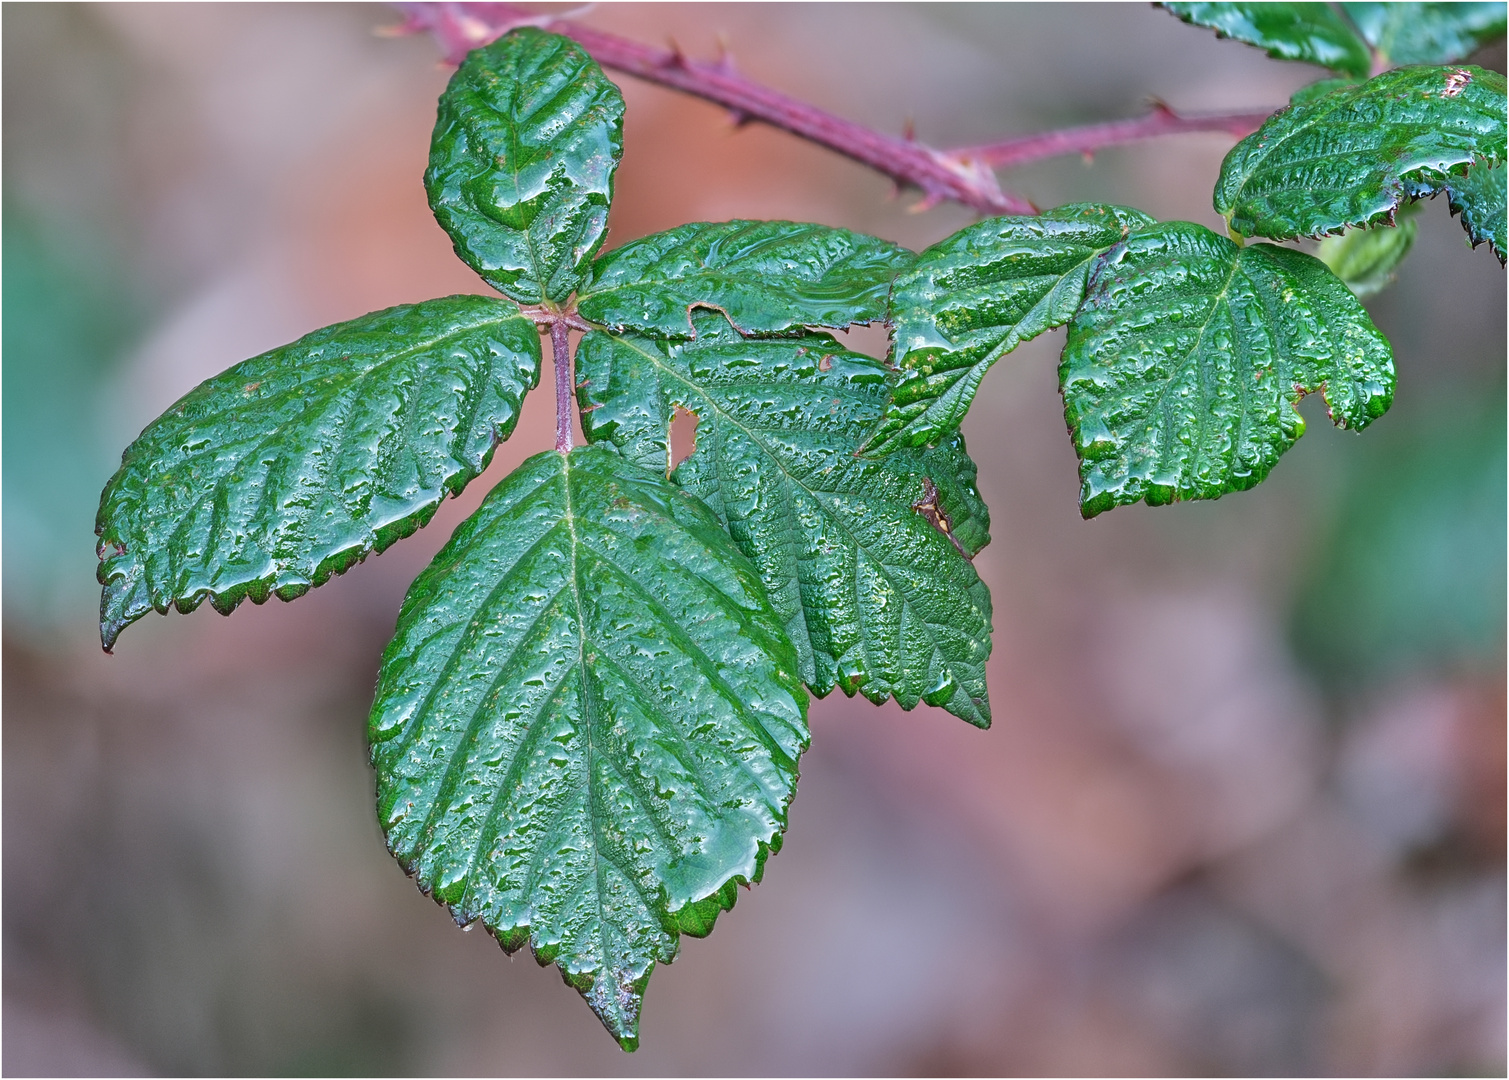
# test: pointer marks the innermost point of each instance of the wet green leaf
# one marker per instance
(873, 592)
(296, 464)
(1366, 259)
(974, 297)
(528, 136)
(587, 727)
(1184, 366)
(1313, 33)
(1409, 33)
(1349, 157)
(768, 277)
(1480, 198)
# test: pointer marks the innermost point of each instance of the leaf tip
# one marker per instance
(616, 997)
(1091, 506)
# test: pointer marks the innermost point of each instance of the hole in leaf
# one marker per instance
(683, 435)
(873, 340)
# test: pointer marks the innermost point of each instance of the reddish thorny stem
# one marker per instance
(964, 175)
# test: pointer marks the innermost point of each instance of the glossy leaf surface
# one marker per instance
(768, 277)
(587, 726)
(1313, 33)
(1184, 366)
(974, 297)
(1480, 198)
(527, 138)
(1366, 259)
(1411, 33)
(873, 592)
(296, 464)
(1349, 157)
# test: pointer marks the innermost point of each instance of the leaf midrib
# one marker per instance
(320, 400)
(346, 384)
(1159, 413)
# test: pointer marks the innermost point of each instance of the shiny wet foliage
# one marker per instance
(528, 136)
(588, 723)
(1184, 367)
(1352, 155)
(1441, 33)
(978, 294)
(878, 597)
(296, 464)
(767, 277)
(1480, 198)
(1350, 38)
(1313, 33)
(587, 726)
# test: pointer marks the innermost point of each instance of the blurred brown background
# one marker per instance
(1242, 810)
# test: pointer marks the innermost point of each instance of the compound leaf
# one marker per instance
(1411, 33)
(296, 464)
(1310, 32)
(1350, 156)
(767, 277)
(974, 297)
(1184, 366)
(866, 561)
(528, 135)
(587, 726)
(1480, 198)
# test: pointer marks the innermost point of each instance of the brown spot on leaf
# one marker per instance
(1456, 82)
(826, 363)
(929, 507)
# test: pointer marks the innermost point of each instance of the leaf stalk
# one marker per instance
(1162, 120)
(560, 345)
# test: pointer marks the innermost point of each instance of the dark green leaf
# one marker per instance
(587, 726)
(1184, 366)
(1480, 198)
(1351, 156)
(296, 464)
(974, 297)
(1407, 33)
(875, 596)
(768, 277)
(1309, 32)
(527, 138)
(1366, 258)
